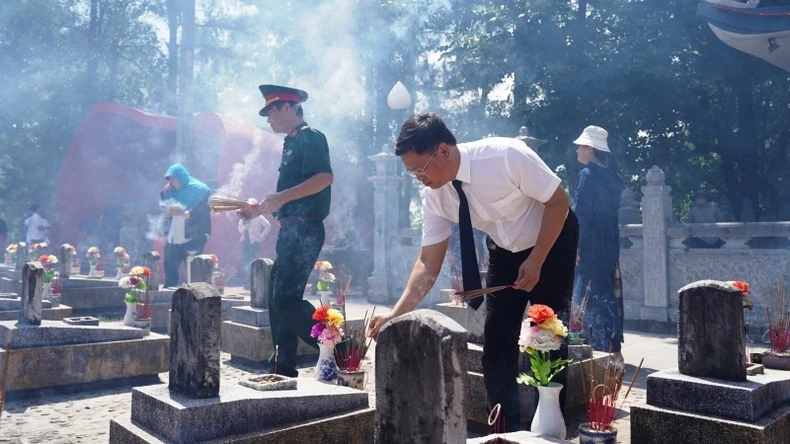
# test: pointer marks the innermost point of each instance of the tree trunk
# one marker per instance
(173, 13)
(184, 139)
(91, 71)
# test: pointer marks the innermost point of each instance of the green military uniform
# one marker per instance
(301, 236)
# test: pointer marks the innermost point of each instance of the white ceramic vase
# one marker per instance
(325, 301)
(119, 273)
(45, 292)
(326, 369)
(92, 272)
(128, 317)
(548, 420)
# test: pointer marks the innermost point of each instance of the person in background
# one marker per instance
(37, 226)
(110, 223)
(702, 211)
(532, 143)
(187, 219)
(3, 233)
(300, 205)
(596, 202)
(505, 190)
(253, 232)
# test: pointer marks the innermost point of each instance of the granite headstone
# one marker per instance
(710, 331)
(421, 380)
(260, 277)
(195, 340)
(202, 268)
(32, 287)
(151, 260)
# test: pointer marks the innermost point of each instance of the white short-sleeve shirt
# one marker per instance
(506, 185)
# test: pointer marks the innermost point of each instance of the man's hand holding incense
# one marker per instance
(376, 322)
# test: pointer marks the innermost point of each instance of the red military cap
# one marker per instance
(274, 93)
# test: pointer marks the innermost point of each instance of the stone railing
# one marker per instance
(655, 261)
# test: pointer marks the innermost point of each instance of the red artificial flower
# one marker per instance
(742, 286)
(43, 259)
(321, 315)
(214, 258)
(539, 313)
(146, 272)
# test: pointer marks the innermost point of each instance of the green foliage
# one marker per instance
(543, 368)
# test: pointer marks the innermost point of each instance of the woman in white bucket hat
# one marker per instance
(596, 201)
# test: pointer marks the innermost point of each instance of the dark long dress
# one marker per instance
(596, 201)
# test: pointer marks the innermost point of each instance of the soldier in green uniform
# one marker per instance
(300, 204)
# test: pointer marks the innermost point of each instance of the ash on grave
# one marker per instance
(195, 407)
(711, 396)
(54, 354)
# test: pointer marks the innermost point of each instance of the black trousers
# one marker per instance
(175, 254)
(505, 312)
(298, 245)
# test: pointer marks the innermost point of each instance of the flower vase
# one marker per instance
(324, 295)
(129, 317)
(45, 292)
(119, 273)
(326, 369)
(92, 271)
(548, 420)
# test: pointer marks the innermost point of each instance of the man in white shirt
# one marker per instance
(37, 227)
(513, 196)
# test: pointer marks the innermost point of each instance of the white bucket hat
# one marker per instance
(594, 136)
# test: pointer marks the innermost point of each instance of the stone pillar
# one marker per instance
(710, 331)
(194, 340)
(22, 255)
(260, 278)
(385, 207)
(151, 260)
(655, 261)
(421, 381)
(64, 257)
(32, 287)
(629, 208)
(202, 269)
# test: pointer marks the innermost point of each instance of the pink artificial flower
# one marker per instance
(528, 334)
(330, 335)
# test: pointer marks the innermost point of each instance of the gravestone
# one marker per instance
(64, 257)
(747, 211)
(260, 279)
(32, 287)
(726, 209)
(202, 268)
(194, 340)
(421, 368)
(21, 255)
(710, 331)
(151, 260)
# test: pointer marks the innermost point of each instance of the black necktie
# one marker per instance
(470, 271)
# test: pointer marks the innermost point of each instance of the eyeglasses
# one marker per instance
(421, 171)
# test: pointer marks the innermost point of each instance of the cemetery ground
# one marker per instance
(84, 417)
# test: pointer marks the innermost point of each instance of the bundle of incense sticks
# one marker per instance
(471, 294)
(221, 201)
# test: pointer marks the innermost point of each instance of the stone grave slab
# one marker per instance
(238, 410)
(742, 401)
(472, 320)
(253, 345)
(79, 365)
(522, 437)
(48, 313)
(55, 333)
(88, 296)
(656, 425)
(348, 428)
(248, 315)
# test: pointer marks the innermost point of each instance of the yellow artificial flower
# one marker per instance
(119, 250)
(52, 259)
(555, 326)
(137, 271)
(334, 318)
